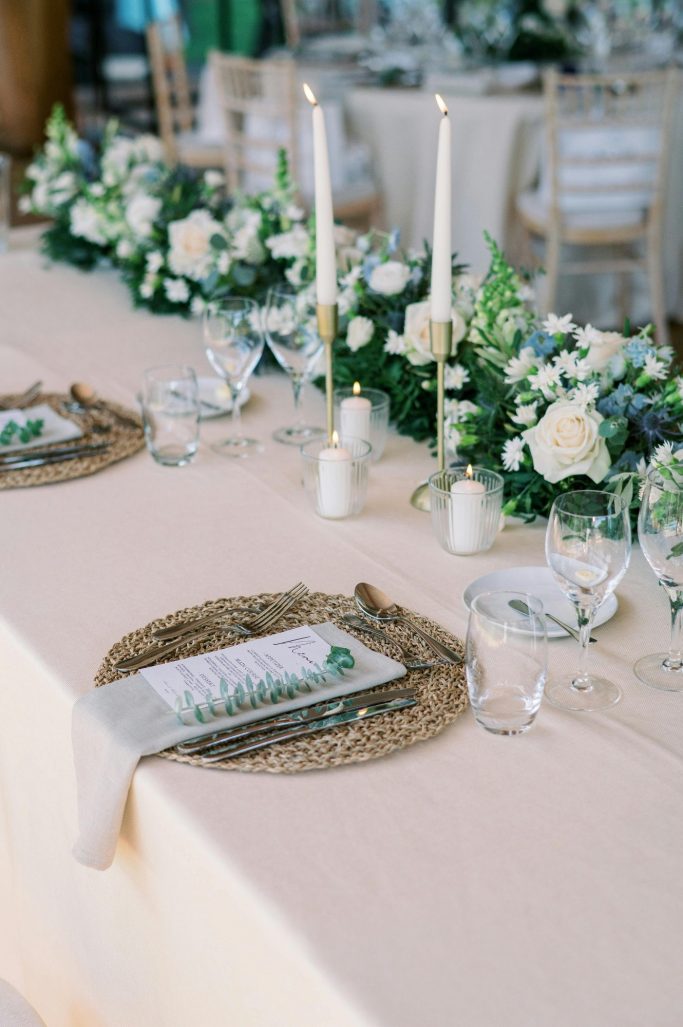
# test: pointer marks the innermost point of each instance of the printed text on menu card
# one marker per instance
(287, 652)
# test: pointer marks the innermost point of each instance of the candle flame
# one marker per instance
(356, 388)
(310, 95)
(335, 440)
(469, 473)
(441, 104)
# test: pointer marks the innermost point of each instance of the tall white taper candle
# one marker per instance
(325, 260)
(441, 241)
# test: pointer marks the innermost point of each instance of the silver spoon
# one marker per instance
(413, 661)
(377, 605)
(85, 397)
(521, 607)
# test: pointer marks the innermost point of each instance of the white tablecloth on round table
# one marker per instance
(466, 880)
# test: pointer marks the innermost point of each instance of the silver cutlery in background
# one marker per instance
(377, 605)
(23, 399)
(38, 453)
(412, 661)
(294, 718)
(188, 627)
(19, 465)
(275, 737)
(260, 623)
(521, 607)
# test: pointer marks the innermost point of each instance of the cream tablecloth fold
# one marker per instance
(15, 1011)
(114, 726)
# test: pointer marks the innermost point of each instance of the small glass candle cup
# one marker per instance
(466, 508)
(170, 414)
(352, 421)
(336, 477)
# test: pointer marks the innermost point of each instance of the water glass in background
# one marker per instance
(506, 660)
(5, 198)
(170, 412)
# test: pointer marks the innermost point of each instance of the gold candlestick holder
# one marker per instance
(441, 342)
(328, 319)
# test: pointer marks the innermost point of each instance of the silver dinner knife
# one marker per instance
(80, 449)
(56, 459)
(294, 718)
(350, 717)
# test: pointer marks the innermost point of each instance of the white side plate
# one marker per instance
(215, 392)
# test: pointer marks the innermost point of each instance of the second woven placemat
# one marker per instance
(442, 692)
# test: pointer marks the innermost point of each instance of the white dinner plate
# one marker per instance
(538, 581)
(215, 393)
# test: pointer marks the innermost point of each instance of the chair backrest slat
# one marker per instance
(170, 81)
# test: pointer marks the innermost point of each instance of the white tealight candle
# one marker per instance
(355, 415)
(441, 241)
(335, 480)
(325, 255)
(467, 512)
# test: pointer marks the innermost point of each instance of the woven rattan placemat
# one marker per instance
(442, 693)
(123, 440)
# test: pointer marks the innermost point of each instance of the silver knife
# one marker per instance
(80, 449)
(42, 461)
(293, 718)
(351, 717)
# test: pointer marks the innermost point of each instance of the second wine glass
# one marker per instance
(292, 335)
(233, 340)
(588, 548)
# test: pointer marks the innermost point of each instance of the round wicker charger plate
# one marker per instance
(123, 440)
(442, 692)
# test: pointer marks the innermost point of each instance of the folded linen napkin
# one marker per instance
(55, 427)
(113, 726)
(15, 1011)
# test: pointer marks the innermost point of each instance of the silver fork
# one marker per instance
(411, 660)
(189, 627)
(24, 399)
(261, 622)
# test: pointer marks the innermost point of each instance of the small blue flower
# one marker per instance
(628, 461)
(541, 343)
(638, 403)
(616, 402)
(637, 350)
(369, 265)
(394, 239)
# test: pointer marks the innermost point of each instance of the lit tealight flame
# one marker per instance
(356, 388)
(310, 95)
(440, 101)
(335, 440)
(469, 473)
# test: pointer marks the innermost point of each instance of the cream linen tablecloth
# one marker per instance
(469, 880)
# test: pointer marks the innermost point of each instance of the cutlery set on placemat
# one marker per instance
(187, 636)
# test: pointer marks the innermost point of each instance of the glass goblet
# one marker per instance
(233, 340)
(588, 548)
(660, 532)
(292, 335)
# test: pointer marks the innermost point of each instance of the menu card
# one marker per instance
(254, 667)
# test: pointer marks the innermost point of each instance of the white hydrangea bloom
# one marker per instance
(141, 212)
(292, 244)
(154, 261)
(87, 222)
(177, 290)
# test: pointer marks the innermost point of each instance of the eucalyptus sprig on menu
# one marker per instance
(268, 689)
(24, 432)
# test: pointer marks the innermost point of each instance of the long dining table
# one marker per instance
(467, 879)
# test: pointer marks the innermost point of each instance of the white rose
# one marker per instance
(389, 278)
(606, 351)
(359, 332)
(191, 253)
(141, 212)
(566, 442)
(416, 331)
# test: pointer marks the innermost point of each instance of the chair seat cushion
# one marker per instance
(611, 212)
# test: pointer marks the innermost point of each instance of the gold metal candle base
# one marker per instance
(328, 320)
(441, 343)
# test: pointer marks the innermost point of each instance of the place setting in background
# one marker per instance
(47, 437)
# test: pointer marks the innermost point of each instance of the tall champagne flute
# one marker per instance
(660, 532)
(588, 548)
(233, 340)
(292, 335)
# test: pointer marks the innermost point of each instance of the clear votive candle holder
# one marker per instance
(466, 504)
(363, 415)
(336, 476)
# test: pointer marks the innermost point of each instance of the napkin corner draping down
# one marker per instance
(115, 725)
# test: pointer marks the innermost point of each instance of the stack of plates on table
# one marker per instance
(538, 581)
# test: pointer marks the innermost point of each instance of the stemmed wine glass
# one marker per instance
(233, 340)
(292, 334)
(660, 532)
(588, 548)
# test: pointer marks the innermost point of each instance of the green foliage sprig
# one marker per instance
(31, 429)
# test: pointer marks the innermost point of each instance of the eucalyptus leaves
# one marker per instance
(30, 429)
(251, 694)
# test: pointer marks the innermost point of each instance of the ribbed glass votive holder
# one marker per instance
(466, 508)
(336, 477)
(357, 418)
